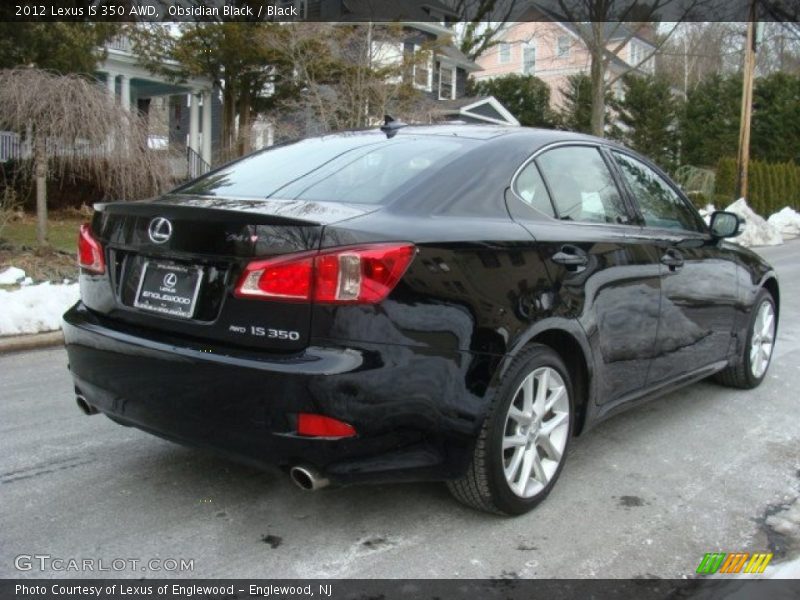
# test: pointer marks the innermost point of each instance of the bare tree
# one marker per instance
(73, 128)
(483, 22)
(699, 49)
(606, 27)
(348, 76)
(778, 48)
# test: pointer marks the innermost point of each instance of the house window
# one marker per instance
(447, 83)
(619, 90)
(636, 53)
(423, 69)
(562, 49)
(504, 53)
(528, 59)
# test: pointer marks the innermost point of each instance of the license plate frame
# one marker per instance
(167, 306)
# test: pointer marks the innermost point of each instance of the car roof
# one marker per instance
(488, 132)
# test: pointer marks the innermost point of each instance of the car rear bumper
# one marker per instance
(414, 416)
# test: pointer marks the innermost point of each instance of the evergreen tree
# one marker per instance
(776, 118)
(576, 112)
(526, 96)
(648, 114)
(60, 47)
(710, 121)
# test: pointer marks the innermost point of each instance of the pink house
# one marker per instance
(553, 50)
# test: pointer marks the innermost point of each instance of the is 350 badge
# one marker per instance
(265, 332)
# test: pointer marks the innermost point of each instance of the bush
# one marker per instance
(772, 185)
(725, 183)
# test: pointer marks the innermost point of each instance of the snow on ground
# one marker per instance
(787, 570)
(33, 308)
(787, 221)
(785, 525)
(11, 276)
(756, 231)
(706, 213)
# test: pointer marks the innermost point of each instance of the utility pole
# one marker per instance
(743, 157)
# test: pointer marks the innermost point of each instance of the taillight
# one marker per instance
(353, 275)
(313, 425)
(90, 252)
(280, 279)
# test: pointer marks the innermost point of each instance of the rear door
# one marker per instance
(698, 277)
(570, 201)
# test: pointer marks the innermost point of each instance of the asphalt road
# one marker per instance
(645, 494)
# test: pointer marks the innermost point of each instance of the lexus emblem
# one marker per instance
(160, 230)
(170, 279)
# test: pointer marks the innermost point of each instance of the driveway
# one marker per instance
(647, 493)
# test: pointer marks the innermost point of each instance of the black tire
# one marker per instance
(740, 374)
(484, 485)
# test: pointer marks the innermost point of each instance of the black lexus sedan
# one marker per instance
(449, 303)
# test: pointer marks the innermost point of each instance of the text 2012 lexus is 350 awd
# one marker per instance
(445, 303)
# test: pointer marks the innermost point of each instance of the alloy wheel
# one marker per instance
(762, 339)
(536, 431)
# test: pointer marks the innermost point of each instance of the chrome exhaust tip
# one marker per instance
(85, 407)
(307, 478)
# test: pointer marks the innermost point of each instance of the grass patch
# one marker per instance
(62, 231)
(18, 246)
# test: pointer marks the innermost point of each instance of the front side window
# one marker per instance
(504, 53)
(582, 186)
(530, 187)
(661, 206)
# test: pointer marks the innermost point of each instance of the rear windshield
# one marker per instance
(355, 168)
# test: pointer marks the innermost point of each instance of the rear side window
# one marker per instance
(530, 187)
(354, 168)
(582, 186)
(661, 205)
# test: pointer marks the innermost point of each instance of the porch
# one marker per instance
(161, 100)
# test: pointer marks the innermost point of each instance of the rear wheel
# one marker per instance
(753, 361)
(521, 448)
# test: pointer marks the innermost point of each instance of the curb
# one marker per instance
(20, 343)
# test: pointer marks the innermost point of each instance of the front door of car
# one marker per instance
(698, 278)
(570, 202)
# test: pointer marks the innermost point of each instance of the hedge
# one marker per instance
(772, 185)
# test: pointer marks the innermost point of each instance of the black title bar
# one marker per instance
(441, 11)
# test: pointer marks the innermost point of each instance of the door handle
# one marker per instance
(673, 259)
(570, 256)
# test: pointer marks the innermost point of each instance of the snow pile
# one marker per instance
(785, 525)
(756, 231)
(706, 213)
(787, 221)
(11, 276)
(35, 308)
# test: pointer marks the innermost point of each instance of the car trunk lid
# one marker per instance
(173, 264)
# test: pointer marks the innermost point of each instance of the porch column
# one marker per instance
(125, 92)
(194, 121)
(206, 150)
(111, 84)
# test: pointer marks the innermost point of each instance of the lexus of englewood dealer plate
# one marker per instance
(445, 303)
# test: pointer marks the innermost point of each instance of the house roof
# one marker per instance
(488, 109)
(458, 58)
(612, 31)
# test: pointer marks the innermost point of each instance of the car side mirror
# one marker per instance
(725, 224)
